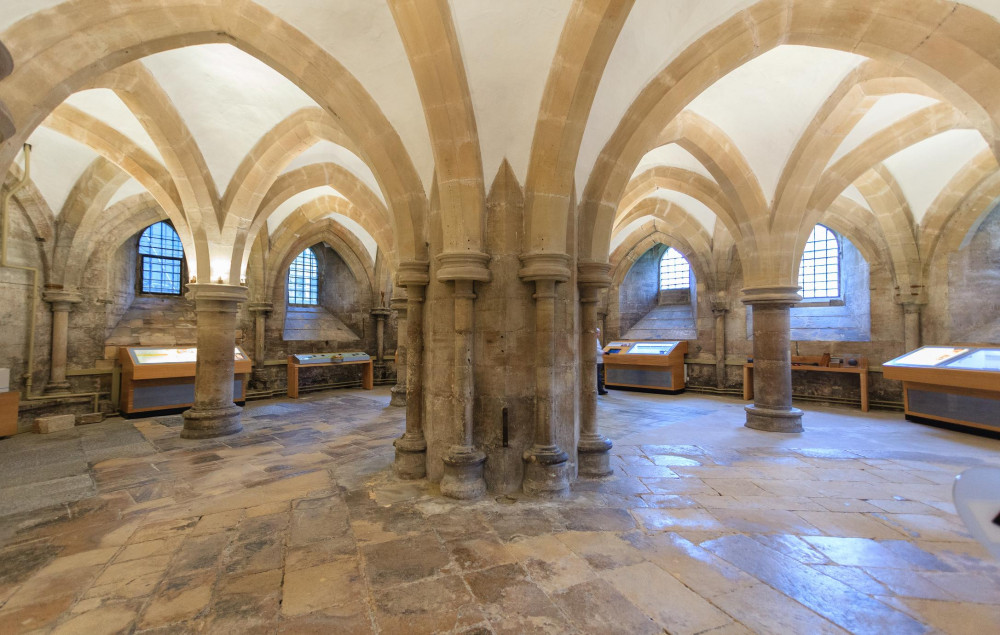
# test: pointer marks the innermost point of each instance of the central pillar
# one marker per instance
(398, 304)
(545, 470)
(380, 314)
(719, 309)
(593, 451)
(61, 301)
(772, 409)
(411, 448)
(463, 462)
(214, 414)
(260, 310)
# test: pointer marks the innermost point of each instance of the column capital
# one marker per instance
(464, 265)
(720, 304)
(593, 275)
(381, 312)
(62, 299)
(777, 295)
(398, 303)
(544, 266)
(206, 291)
(413, 273)
(260, 307)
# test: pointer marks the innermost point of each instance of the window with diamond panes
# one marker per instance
(675, 272)
(162, 257)
(819, 271)
(303, 280)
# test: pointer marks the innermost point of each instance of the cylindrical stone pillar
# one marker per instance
(62, 301)
(411, 448)
(593, 451)
(463, 462)
(260, 311)
(398, 304)
(545, 469)
(772, 409)
(214, 414)
(719, 310)
(911, 325)
(380, 314)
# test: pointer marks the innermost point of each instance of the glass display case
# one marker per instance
(156, 379)
(950, 384)
(647, 364)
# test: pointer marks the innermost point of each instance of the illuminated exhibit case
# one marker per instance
(157, 378)
(657, 365)
(952, 384)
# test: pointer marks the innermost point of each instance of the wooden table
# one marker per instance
(367, 373)
(861, 370)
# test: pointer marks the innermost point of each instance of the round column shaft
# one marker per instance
(214, 414)
(61, 301)
(593, 450)
(772, 409)
(399, 390)
(411, 448)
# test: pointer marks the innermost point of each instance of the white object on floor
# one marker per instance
(977, 498)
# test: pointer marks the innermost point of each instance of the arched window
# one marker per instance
(819, 270)
(675, 272)
(161, 258)
(303, 280)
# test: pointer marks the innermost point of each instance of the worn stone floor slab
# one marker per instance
(296, 525)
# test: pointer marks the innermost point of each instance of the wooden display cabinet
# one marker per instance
(161, 379)
(952, 384)
(649, 364)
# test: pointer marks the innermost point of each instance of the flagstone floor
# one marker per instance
(297, 526)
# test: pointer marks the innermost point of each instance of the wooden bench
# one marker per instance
(820, 364)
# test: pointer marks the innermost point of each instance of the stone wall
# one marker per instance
(972, 293)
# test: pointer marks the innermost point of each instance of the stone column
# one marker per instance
(593, 451)
(260, 311)
(545, 470)
(463, 462)
(411, 448)
(772, 409)
(214, 414)
(380, 314)
(398, 304)
(62, 301)
(911, 324)
(719, 309)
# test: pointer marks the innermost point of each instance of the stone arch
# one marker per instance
(315, 209)
(122, 220)
(948, 202)
(585, 44)
(59, 51)
(428, 34)
(339, 238)
(645, 238)
(929, 41)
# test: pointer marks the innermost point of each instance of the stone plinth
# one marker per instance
(463, 473)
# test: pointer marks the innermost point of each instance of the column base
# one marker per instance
(463, 473)
(773, 420)
(55, 388)
(398, 398)
(545, 470)
(211, 422)
(593, 455)
(411, 457)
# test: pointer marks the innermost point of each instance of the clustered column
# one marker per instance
(411, 448)
(463, 463)
(545, 470)
(772, 409)
(593, 450)
(214, 414)
(260, 311)
(62, 301)
(398, 304)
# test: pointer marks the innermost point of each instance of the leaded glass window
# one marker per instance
(675, 272)
(819, 270)
(303, 280)
(162, 260)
